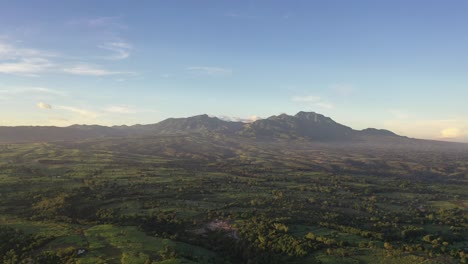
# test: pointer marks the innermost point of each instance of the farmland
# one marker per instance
(225, 199)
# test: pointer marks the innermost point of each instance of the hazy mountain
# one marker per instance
(378, 132)
(199, 123)
(305, 125)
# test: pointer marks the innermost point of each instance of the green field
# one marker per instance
(196, 199)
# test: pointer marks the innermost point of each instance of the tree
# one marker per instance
(388, 246)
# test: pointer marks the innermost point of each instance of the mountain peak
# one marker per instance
(202, 116)
(303, 113)
(315, 117)
(304, 125)
(307, 115)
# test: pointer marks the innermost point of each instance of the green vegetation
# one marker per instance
(228, 199)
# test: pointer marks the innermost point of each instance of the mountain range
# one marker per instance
(303, 125)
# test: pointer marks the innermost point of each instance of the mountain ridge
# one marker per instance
(303, 125)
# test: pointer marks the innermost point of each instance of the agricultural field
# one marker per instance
(226, 199)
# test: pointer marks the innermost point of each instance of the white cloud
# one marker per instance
(82, 112)
(314, 101)
(43, 90)
(37, 93)
(32, 62)
(212, 71)
(124, 109)
(99, 22)
(23, 61)
(26, 67)
(307, 99)
(120, 49)
(450, 132)
(42, 105)
(120, 110)
(10, 52)
(240, 119)
(444, 129)
(92, 70)
(102, 21)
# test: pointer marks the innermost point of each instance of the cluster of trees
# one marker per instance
(18, 247)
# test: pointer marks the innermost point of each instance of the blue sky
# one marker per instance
(399, 65)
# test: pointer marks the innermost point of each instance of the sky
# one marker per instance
(397, 65)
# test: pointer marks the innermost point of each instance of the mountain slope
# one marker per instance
(377, 132)
(199, 123)
(304, 125)
(308, 125)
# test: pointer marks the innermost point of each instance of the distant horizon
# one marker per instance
(394, 65)
(245, 121)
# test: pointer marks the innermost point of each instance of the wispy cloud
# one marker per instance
(11, 52)
(35, 92)
(42, 105)
(307, 99)
(239, 119)
(210, 71)
(110, 28)
(97, 22)
(44, 91)
(26, 67)
(24, 61)
(120, 49)
(125, 109)
(313, 101)
(81, 115)
(117, 109)
(93, 70)
(103, 21)
(82, 112)
(32, 62)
